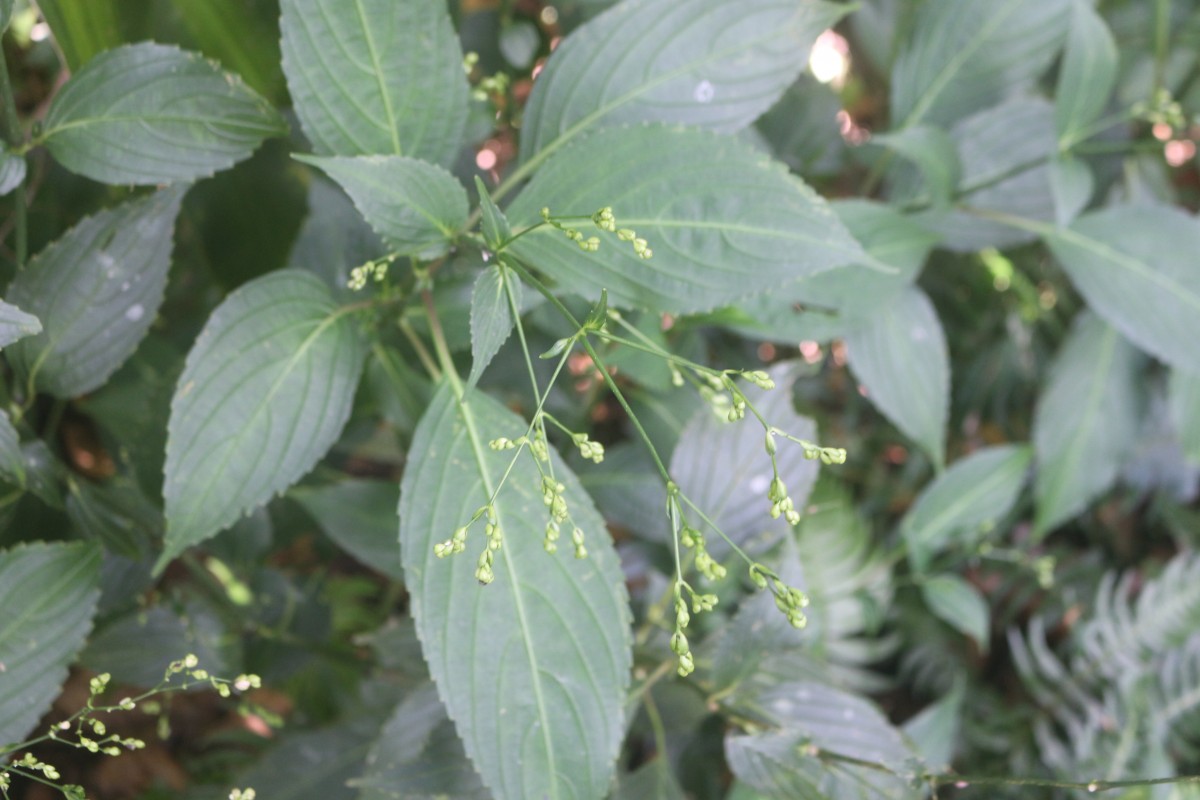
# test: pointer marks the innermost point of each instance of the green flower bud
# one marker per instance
(679, 643)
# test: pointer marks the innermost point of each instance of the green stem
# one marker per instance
(440, 346)
(419, 347)
(1162, 24)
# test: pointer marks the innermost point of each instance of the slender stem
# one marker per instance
(422, 352)
(440, 346)
(656, 724)
(15, 137)
(1162, 23)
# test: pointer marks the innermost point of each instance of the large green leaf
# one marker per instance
(491, 316)
(1086, 421)
(152, 113)
(1087, 74)
(1136, 267)
(964, 501)
(375, 77)
(265, 391)
(16, 324)
(722, 222)
(136, 647)
(12, 172)
(1184, 398)
(241, 35)
(831, 303)
(49, 594)
(933, 152)
(415, 206)
(710, 63)
(334, 239)
(723, 467)
(360, 515)
(970, 54)
(533, 668)
(959, 604)
(83, 28)
(96, 291)
(902, 360)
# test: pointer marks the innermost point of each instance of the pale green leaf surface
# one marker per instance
(959, 604)
(1005, 152)
(1071, 185)
(933, 152)
(771, 763)
(96, 291)
(265, 391)
(12, 172)
(723, 468)
(152, 113)
(934, 731)
(334, 239)
(418, 755)
(1136, 267)
(12, 460)
(16, 324)
(902, 360)
(315, 764)
(491, 316)
(1087, 74)
(415, 206)
(831, 303)
(722, 221)
(1183, 394)
(117, 514)
(965, 501)
(654, 780)
(533, 668)
(1085, 421)
(376, 77)
(629, 492)
(970, 54)
(49, 594)
(360, 515)
(496, 230)
(707, 63)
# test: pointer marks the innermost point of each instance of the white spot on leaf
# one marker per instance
(704, 92)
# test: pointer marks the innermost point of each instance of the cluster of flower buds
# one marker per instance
(789, 600)
(494, 537)
(759, 378)
(372, 270)
(552, 497)
(781, 504)
(827, 455)
(588, 244)
(243, 794)
(679, 642)
(706, 565)
(587, 448)
(454, 545)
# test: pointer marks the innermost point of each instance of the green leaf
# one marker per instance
(831, 303)
(1087, 74)
(802, 128)
(723, 467)
(241, 36)
(12, 460)
(935, 730)
(116, 514)
(6, 9)
(49, 591)
(1072, 186)
(16, 324)
(96, 291)
(151, 113)
(902, 360)
(360, 515)
(533, 668)
(265, 391)
(1086, 421)
(418, 754)
(965, 501)
(12, 172)
(629, 491)
(1134, 265)
(376, 77)
(320, 763)
(706, 63)
(418, 208)
(1005, 151)
(722, 222)
(82, 28)
(334, 239)
(933, 151)
(1184, 397)
(491, 316)
(959, 604)
(136, 647)
(969, 55)
(496, 230)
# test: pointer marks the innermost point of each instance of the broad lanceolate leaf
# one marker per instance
(360, 515)
(968, 55)
(1184, 397)
(96, 292)
(1071, 185)
(496, 230)
(831, 303)
(265, 391)
(722, 222)
(697, 62)
(491, 316)
(415, 206)
(152, 113)
(933, 151)
(722, 466)
(959, 604)
(375, 77)
(49, 591)
(12, 172)
(16, 324)
(902, 360)
(1087, 74)
(1136, 267)
(1085, 421)
(533, 668)
(974, 494)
